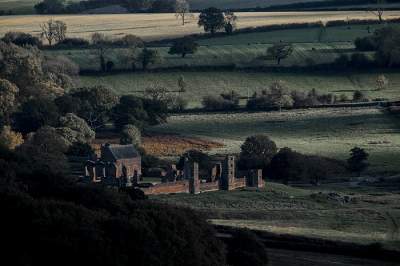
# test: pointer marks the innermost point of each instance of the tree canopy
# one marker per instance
(280, 51)
(211, 19)
(183, 47)
(257, 151)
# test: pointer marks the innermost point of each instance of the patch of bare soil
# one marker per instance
(175, 145)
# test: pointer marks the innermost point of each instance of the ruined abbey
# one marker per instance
(120, 165)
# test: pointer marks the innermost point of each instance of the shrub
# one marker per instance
(382, 82)
(178, 104)
(131, 135)
(129, 40)
(73, 42)
(218, 103)
(358, 160)
(288, 165)
(276, 97)
(10, 139)
(61, 65)
(360, 60)
(388, 48)
(75, 128)
(342, 61)
(183, 47)
(36, 113)
(359, 96)
(80, 149)
(21, 39)
(109, 66)
(366, 44)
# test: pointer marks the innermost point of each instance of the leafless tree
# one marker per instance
(60, 29)
(53, 30)
(101, 44)
(182, 10)
(47, 31)
(379, 10)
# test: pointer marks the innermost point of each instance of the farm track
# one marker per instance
(304, 251)
(282, 257)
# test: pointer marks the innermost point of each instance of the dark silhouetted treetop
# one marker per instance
(211, 19)
(183, 47)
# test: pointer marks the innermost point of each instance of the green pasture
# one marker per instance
(19, 7)
(301, 35)
(287, 210)
(328, 132)
(239, 55)
(202, 83)
(312, 46)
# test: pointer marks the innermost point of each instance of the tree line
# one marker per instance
(285, 164)
(134, 6)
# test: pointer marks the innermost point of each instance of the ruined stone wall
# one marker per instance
(132, 165)
(238, 183)
(168, 188)
(209, 186)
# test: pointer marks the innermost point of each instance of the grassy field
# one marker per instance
(287, 210)
(158, 26)
(26, 6)
(200, 84)
(328, 132)
(243, 50)
(240, 55)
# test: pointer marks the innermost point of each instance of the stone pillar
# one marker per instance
(186, 169)
(260, 182)
(87, 172)
(254, 178)
(171, 174)
(93, 175)
(228, 173)
(135, 178)
(194, 181)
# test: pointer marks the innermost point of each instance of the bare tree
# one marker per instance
(47, 31)
(382, 82)
(53, 30)
(60, 30)
(379, 10)
(101, 44)
(182, 10)
(230, 21)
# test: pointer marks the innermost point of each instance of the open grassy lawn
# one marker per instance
(200, 84)
(328, 132)
(281, 209)
(159, 26)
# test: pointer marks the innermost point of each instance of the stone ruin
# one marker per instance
(223, 177)
(120, 166)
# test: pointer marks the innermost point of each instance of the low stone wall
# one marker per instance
(238, 183)
(168, 188)
(209, 186)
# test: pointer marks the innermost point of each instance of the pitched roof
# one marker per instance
(122, 151)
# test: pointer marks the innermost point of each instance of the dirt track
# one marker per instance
(280, 257)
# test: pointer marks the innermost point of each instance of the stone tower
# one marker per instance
(228, 173)
(194, 181)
